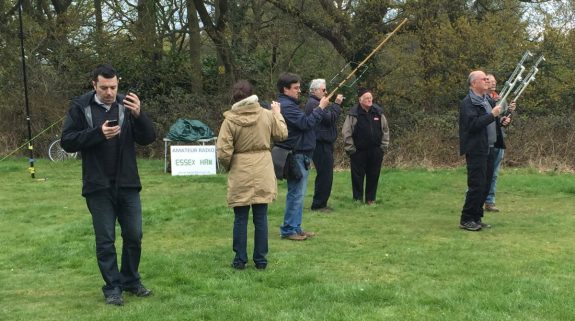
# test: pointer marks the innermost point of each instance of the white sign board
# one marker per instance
(193, 160)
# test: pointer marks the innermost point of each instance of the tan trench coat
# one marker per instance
(243, 148)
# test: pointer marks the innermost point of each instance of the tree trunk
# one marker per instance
(146, 31)
(196, 84)
(216, 31)
(99, 32)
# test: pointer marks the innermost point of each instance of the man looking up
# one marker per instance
(301, 140)
(325, 136)
(499, 151)
(477, 140)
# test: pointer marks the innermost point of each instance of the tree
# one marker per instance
(196, 81)
(216, 27)
(145, 31)
(351, 27)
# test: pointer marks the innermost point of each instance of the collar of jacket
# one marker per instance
(284, 96)
(476, 99)
(88, 111)
(314, 98)
(375, 109)
(246, 102)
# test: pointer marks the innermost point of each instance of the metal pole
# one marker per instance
(25, 79)
(530, 77)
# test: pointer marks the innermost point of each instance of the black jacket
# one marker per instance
(326, 132)
(473, 121)
(81, 135)
(351, 122)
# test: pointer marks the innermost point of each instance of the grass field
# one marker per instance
(404, 259)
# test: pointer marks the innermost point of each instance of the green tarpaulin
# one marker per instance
(189, 130)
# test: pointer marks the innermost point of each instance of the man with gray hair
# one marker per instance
(478, 128)
(325, 135)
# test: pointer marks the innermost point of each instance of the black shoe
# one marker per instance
(139, 290)
(483, 225)
(115, 299)
(239, 266)
(325, 209)
(470, 226)
(261, 266)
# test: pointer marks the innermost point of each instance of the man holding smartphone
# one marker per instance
(104, 127)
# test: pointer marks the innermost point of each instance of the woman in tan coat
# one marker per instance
(243, 148)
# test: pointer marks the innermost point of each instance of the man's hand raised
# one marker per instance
(323, 103)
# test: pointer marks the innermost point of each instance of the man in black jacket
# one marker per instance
(478, 136)
(325, 136)
(104, 126)
(365, 134)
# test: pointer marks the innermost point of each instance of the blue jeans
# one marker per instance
(294, 199)
(499, 153)
(260, 219)
(123, 205)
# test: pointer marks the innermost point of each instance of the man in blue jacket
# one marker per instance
(325, 136)
(301, 140)
(478, 138)
(104, 127)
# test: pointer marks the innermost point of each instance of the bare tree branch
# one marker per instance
(339, 42)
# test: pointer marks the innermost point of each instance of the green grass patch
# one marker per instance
(403, 259)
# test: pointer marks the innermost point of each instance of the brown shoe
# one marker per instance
(491, 208)
(306, 234)
(294, 237)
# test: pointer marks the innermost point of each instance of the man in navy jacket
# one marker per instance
(301, 140)
(325, 136)
(104, 127)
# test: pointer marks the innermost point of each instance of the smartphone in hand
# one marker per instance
(131, 90)
(112, 123)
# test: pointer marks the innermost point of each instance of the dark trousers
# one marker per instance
(323, 162)
(107, 206)
(479, 174)
(365, 164)
(240, 243)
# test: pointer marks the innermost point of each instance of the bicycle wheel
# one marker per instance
(57, 154)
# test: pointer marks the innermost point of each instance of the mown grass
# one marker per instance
(404, 259)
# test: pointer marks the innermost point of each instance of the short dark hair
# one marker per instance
(104, 70)
(241, 90)
(285, 80)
